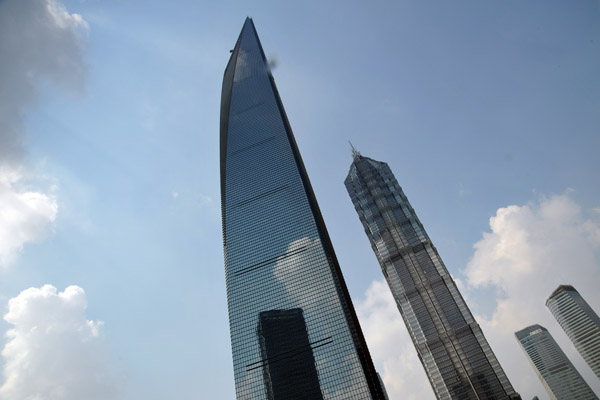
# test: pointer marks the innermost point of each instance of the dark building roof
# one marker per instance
(560, 289)
(523, 333)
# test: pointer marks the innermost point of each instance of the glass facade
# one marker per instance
(558, 375)
(291, 372)
(456, 356)
(579, 321)
(294, 332)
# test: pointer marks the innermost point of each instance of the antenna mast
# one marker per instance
(355, 153)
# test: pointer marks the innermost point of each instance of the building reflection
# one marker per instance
(288, 363)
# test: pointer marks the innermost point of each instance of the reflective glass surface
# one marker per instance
(294, 333)
(560, 378)
(456, 356)
(579, 321)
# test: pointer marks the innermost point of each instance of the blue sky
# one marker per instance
(109, 166)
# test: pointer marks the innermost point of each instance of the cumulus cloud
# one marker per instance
(529, 251)
(53, 352)
(39, 40)
(25, 215)
(390, 345)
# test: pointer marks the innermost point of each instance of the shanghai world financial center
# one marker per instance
(294, 332)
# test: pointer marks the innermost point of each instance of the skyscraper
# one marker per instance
(456, 356)
(579, 321)
(281, 271)
(558, 375)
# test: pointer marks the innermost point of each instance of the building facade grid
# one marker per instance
(279, 260)
(455, 354)
(579, 321)
(558, 375)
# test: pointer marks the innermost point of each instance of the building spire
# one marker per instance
(355, 153)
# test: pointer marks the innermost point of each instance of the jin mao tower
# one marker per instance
(456, 356)
(294, 331)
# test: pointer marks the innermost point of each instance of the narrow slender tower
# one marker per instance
(558, 375)
(456, 356)
(294, 331)
(579, 321)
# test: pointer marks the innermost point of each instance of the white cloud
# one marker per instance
(391, 348)
(530, 250)
(25, 215)
(53, 352)
(38, 39)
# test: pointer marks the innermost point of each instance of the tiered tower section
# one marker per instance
(456, 356)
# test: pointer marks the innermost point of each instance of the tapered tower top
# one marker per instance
(280, 267)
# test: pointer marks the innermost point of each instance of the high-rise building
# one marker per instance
(558, 375)
(281, 271)
(579, 321)
(456, 356)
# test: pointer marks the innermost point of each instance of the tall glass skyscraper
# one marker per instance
(579, 321)
(456, 356)
(294, 331)
(558, 375)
